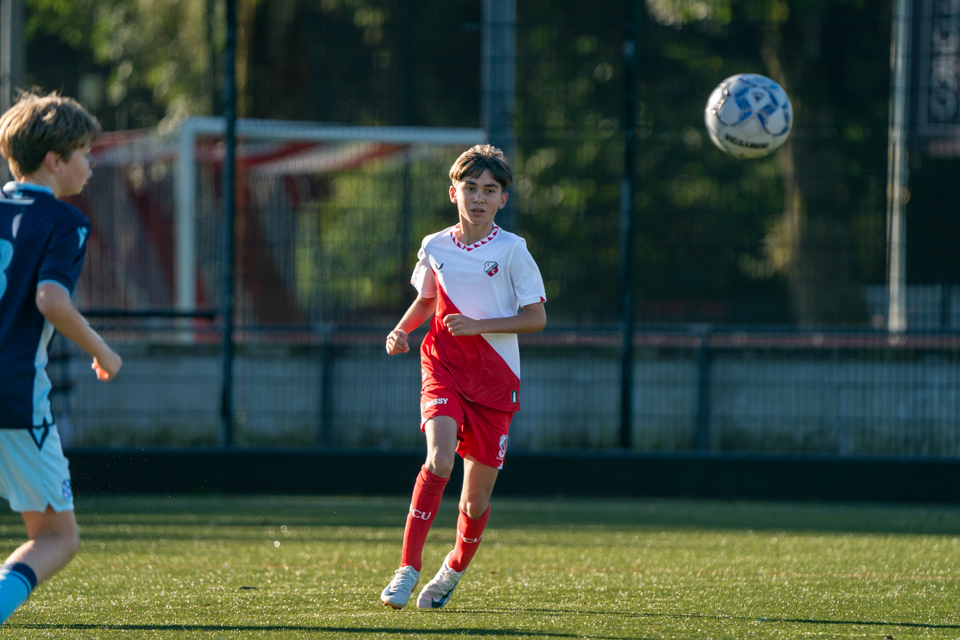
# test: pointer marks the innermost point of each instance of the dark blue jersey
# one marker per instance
(41, 240)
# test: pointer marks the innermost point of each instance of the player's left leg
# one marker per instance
(478, 481)
(53, 541)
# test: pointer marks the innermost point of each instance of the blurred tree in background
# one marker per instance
(824, 235)
(365, 62)
(134, 63)
(789, 238)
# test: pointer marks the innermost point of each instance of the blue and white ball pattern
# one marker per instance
(748, 116)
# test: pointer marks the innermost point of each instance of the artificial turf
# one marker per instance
(313, 567)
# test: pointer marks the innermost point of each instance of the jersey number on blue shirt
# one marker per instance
(6, 257)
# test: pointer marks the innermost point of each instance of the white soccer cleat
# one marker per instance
(438, 591)
(398, 592)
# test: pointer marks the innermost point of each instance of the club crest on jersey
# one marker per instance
(491, 268)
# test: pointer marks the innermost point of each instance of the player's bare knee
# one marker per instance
(440, 465)
(70, 543)
(64, 536)
(473, 510)
(66, 541)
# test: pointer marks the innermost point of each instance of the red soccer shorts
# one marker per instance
(481, 431)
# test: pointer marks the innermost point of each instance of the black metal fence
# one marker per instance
(759, 287)
(712, 390)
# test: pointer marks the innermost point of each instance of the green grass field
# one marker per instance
(298, 567)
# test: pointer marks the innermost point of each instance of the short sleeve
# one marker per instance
(63, 257)
(423, 278)
(525, 275)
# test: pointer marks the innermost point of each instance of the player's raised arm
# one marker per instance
(421, 310)
(54, 303)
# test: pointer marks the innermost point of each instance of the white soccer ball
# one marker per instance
(748, 115)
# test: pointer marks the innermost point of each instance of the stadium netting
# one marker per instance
(328, 219)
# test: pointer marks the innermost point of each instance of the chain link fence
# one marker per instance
(759, 286)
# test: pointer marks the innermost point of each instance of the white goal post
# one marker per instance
(194, 128)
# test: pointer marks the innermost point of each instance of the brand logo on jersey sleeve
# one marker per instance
(491, 268)
(83, 231)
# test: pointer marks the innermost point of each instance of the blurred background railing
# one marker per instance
(759, 288)
(718, 391)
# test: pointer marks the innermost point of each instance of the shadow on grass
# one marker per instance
(471, 631)
(866, 623)
(461, 631)
(680, 616)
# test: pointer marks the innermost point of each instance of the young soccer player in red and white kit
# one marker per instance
(479, 287)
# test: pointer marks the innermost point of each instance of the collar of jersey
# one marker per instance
(475, 245)
(11, 187)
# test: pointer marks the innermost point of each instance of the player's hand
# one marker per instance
(397, 342)
(460, 325)
(107, 367)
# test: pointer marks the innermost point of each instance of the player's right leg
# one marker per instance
(34, 477)
(441, 432)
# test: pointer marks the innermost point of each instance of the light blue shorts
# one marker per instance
(33, 470)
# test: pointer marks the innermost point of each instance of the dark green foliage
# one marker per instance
(794, 237)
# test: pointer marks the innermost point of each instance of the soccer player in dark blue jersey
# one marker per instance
(46, 141)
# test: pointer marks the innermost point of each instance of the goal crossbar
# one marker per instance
(196, 127)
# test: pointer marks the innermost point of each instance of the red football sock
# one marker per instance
(469, 532)
(427, 493)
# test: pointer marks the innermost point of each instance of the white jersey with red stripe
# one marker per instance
(491, 278)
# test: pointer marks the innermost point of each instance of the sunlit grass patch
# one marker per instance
(310, 567)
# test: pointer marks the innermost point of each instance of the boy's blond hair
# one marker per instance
(37, 125)
(476, 159)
